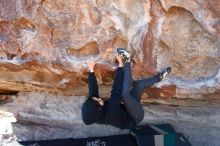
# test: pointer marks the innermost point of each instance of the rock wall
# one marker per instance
(44, 44)
(36, 116)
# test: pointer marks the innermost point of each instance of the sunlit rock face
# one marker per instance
(189, 40)
(44, 45)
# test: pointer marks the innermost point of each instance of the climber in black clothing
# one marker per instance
(123, 109)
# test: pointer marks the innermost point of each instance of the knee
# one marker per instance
(138, 84)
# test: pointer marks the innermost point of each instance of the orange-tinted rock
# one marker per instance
(23, 23)
(89, 49)
(206, 12)
(44, 45)
(191, 51)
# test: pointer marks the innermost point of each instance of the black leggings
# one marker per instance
(131, 97)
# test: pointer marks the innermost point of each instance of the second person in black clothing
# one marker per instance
(123, 108)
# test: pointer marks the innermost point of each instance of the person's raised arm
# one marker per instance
(92, 82)
(120, 61)
(118, 81)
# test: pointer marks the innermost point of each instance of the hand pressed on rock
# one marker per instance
(120, 60)
(91, 64)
